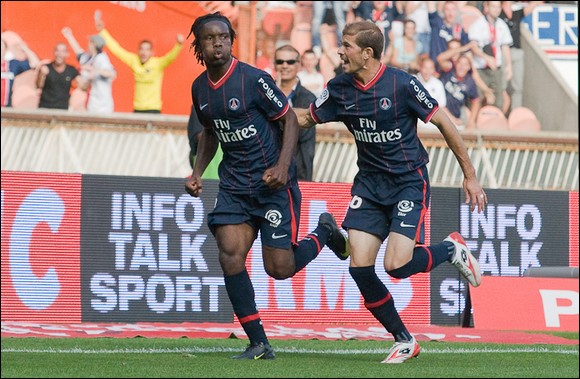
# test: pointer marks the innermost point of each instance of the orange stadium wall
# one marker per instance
(39, 24)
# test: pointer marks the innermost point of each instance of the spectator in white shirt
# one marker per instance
(434, 86)
(493, 58)
(309, 76)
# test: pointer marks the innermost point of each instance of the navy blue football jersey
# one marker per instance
(382, 115)
(242, 109)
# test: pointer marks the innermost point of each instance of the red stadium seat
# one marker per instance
(524, 119)
(529, 125)
(520, 114)
(491, 117)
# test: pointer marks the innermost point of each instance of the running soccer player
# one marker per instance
(243, 110)
(390, 194)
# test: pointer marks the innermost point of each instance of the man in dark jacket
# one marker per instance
(287, 64)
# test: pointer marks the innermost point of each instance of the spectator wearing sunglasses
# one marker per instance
(287, 64)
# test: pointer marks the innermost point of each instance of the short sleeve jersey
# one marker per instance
(382, 115)
(242, 109)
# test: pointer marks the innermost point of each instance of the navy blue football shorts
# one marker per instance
(382, 203)
(276, 214)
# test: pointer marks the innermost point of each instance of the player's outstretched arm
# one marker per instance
(305, 119)
(474, 193)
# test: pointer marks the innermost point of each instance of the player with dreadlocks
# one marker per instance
(243, 110)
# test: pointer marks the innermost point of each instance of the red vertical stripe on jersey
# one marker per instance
(293, 220)
(423, 211)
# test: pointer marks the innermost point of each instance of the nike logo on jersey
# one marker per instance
(278, 236)
(347, 107)
(203, 106)
(403, 225)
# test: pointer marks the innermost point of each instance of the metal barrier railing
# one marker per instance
(156, 145)
(545, 160)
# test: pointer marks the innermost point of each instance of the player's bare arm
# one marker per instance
(474, 193)
(277, 176)
(207, 147)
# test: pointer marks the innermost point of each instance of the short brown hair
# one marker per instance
(367, 34)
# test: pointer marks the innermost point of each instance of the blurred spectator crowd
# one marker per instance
(468, 55)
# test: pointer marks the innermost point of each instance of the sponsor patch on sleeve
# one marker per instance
(321, 98)
(269, 92)
(421, 95)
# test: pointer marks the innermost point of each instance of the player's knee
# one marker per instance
(391, 266)
(398, 273)
(231, 263)
(279, 273)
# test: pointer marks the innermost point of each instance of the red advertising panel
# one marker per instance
(324, 292)
(41, 247)
(574, 230)
(526, 303)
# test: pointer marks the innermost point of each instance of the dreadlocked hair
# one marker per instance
(196, 31)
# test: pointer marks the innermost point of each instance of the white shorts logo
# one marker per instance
(405, 206)
(275, 217)
(355, 202)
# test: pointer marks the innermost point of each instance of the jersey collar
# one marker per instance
(364, 87)
(223, 79)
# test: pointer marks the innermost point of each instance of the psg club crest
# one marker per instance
(233, 103)
(385, 103)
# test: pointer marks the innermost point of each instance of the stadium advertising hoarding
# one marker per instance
(147, 253)
(519, 229)
(555, 26)
(40, 247)
(533, 304)
(132, 249)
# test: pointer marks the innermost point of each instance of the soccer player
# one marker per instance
(390, 194)
(242, 110)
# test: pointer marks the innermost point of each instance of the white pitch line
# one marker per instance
(288, 350)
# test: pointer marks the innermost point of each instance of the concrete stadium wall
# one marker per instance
(545, 90)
